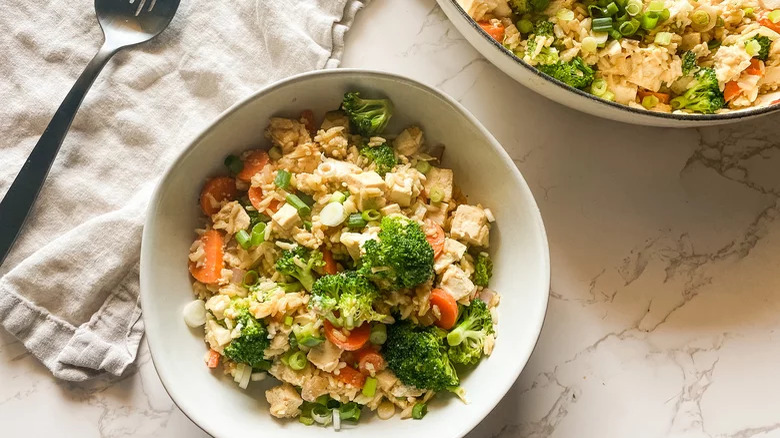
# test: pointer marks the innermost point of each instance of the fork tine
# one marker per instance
(151, 5)
(140, 7)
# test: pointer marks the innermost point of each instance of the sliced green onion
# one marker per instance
(656, 6)
(310, 341)
(713, 44)
(338, 197)
(665, 14)
(774, 16)
(321, 414)
(323, 400)
(602, 24)
(307, 225)
(350, 411)
(565, 14)
(608, 96)
(649, 102)
(524, 26)
(423, 167)
(250, 278)
(621, 18)
(615, 34)
(275, 153)
(629, 28)
(369, 388)
(633, 7)
(718, 22)
(595, 11)
(306, 198)
(333, 214)
(598, 87)
(663, 38)
(649, 21)
(748, 11)
(589, 44)
(288, 320)
(242, 237)
(234, 164)
(701, 18)
(306, 420)
(258, 234)
(752, 47)
(611, 9)
(378, 334)
(437, 195)
(263, 365)
(303, 209)
(419, 410)
(282, 179)
(297, 361)
(371, 215)
(355, 220)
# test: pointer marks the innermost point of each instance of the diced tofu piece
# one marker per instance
(314, 387)
(286, 133)
(354, 242)
(287, 217)
(439, 179)
(284, 401)
(231, 217)
(335, 119)
(336, 171)
(470, 225)
(325, 356)
(399, 189)
(456, 282)
(370, 198)
(387, 210)
(216, 335)
(217, 304)
(438, 215)
(453, 251)
(365, 180)
(409, 141)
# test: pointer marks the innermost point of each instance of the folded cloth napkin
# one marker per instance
(69, 289)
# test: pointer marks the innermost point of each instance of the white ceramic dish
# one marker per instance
(578, 99)
(483, 170)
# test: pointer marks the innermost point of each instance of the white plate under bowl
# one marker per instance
(580, 100)
(483, 170)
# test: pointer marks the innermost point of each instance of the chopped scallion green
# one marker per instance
(282, 179)
(371, 215)
(243, 239)
(303, 209)
(234, 164)
(419, 410)
(355, 220)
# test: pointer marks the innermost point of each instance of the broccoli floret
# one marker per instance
(521, 7)
(689, 62)
(368, 116)
(248, 348)
(545, 55)
(382, 156)
(543, 28)
(418, 356)
(703, 94)
(401, 258)
(575, 73)
(483, 269)
(308, 335)
(300, 263)
(764, 42)
(345, 299)
(467, 339)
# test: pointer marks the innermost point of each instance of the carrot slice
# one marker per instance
(495, 31)
(368, 355)
(766, 22)
(330, 264)
(662, 97)
(215, 191)
(435, 236)
(307, 117)
(351, 341)
(448, 308)
(755, 67)
(351, 376)
(211, 269)
(254, 162)
(213, 359)
(256, 196)
(731, 90)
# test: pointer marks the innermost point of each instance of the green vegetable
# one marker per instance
(689, 63)
(300, 263)
(650, 102)
(258, 234)
(437, 195)
(338, 197)
(275, 153)
(602, 24)
(355, 220)
(371, 215)
(703, 94)
(349, 412)
(234, 164)
(483, 269)
(345, 299)
(419, 410)
(544, 28)
(368, 116)
(297, 361)
(418, 356)
(243, 239)
(250, 278)
(467, 339)
(575, 73)
(423, 167)
(521, 7)
(382, 156)
(369, 388)
(288, 320)
(282, 179)
(401, 258)
(307, 335)
(303, 209)
(378, 334)
(763, 46)
(248, 348)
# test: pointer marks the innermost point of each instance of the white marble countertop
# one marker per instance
(665, 251)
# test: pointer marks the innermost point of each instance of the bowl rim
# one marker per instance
(146, 293)
(732, 115)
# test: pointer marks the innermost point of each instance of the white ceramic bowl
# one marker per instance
(578, 99)
(483, 170)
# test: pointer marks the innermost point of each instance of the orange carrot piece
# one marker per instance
(330, 264)
(254, 162)
(662, 97)
(213, 359)
(495, 31)
(755, 67)
(215, 191)
(368, 355)
(434, 234)
(354, 340)
(256, 196)
(766, 22)
(731, 90)
(211, 269)
(448, 308)
(351, 376)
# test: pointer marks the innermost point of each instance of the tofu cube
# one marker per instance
(438, 215)
(334, 119)
(409, 141)
(453, 251)
(354, 242)
(399, 189)
(456, 282)
(365, 180)
(287, 217)
(391, 209)
(470, 225)
(439, 179)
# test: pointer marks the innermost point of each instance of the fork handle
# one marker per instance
(18, 201)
